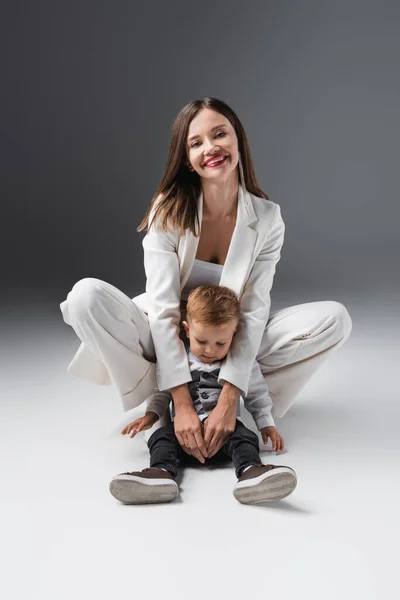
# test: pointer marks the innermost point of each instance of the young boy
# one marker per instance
(212, 321)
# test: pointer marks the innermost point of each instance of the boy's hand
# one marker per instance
(140, 424)
(276, 439)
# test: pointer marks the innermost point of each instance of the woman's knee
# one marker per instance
(84, 298)
(342, 318)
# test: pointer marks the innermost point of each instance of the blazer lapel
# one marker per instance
(239, 259)
(240, 254)
(188, 246)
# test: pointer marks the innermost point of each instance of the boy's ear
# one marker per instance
(186, 326)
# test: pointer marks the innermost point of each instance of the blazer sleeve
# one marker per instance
(255, 306)
(163, 298)
(258, 401)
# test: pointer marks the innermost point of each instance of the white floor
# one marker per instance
(63, 536)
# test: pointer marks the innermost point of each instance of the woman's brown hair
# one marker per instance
(177, 194)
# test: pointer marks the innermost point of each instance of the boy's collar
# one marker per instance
(197, 365)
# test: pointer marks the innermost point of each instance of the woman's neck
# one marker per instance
(220, 198)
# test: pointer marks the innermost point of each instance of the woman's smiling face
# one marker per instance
(212, 145)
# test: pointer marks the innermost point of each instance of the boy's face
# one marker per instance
(209, 342)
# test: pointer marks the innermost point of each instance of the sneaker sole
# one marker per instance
(136, 490)
(273, 485)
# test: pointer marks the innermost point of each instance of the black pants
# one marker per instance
(241, 447)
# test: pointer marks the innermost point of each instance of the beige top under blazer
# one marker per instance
(249, 270)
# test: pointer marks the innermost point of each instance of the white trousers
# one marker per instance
(118, 347)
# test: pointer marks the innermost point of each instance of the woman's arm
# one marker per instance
(172, 368)
(163, 299)
(255, 306)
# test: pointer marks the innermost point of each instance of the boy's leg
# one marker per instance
(164, 450)
(157, 483)
(242, 447)
(256, 482)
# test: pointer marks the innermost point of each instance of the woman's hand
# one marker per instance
(221, 422)
(187, 425)
(276, 439)
(140, 424)
(189, 431)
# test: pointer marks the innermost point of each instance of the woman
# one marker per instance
(208, 223)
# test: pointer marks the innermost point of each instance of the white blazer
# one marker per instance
(249, 270)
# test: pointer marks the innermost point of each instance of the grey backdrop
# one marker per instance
(90, 91)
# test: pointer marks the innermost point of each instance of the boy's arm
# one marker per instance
(158, 402)
(258, 401)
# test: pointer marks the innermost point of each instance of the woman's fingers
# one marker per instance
(180, 439)
(197, 454)
(208, 434)
(200, 444)
(186, 445)
(217, 447)
(182, 442)
(212, 444)
(193, 444)
(188, 430)
(214, 438)
(216, 443)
